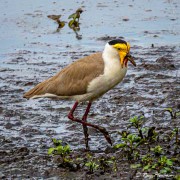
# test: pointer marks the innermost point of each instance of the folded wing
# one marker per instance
(72, 80)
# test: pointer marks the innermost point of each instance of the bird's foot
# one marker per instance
(70, 116)
(106, 134)
(85, 124)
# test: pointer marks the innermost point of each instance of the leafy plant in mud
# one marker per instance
(143, 148)
(137, 122)
(108, 164)
(175, 133)
(163, 165)
(129, 145)
(60, 149)
(146, 159)
(91, 164)
(130, 141)
(158, 150)
(56, 142)
(173, 138)
(74, 23)
(113, 160)
(177, 177)
(104, 163)
(149, 162)
(145, 133)
(174, 114)
(57, 18)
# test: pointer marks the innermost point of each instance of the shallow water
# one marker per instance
(25, 25)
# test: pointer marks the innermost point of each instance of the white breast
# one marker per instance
(113, 74)
(111, 77)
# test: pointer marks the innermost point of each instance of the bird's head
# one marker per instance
(121, 49)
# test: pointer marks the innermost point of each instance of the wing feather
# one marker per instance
(72, 80)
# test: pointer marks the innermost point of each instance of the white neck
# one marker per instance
(110, 53)
(111, 59)
(113, 70)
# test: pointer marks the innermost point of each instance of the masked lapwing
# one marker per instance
(86, 80)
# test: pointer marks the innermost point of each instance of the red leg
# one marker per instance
(83, 122)
(70, 115)
(86, 112)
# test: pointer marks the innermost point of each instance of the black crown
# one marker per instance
(117, 41)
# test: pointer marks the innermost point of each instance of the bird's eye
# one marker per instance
(119, 49)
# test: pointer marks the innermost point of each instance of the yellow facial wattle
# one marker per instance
(123, 50)
(122, 55)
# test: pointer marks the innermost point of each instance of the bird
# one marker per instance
(86, 80)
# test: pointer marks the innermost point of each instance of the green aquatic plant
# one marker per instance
(113, 160)
(59, 149)
(56, 18)
(163, 165)
(129, 144)
(152, 135)
(104, 163)
(158, 150)
(137, 122)
(174, 114)
(74, 23)
(56, 142)
(147, 154)
(142, 149)
(177, 177)
(147, 159)
(92, 165)
(175, 133)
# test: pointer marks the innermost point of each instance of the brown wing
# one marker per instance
(72, 80)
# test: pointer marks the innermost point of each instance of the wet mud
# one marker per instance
(27, 127)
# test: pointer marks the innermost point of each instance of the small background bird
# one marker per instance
(86, 80)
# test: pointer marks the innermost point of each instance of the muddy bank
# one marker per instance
(27, 127)
(33, 51)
